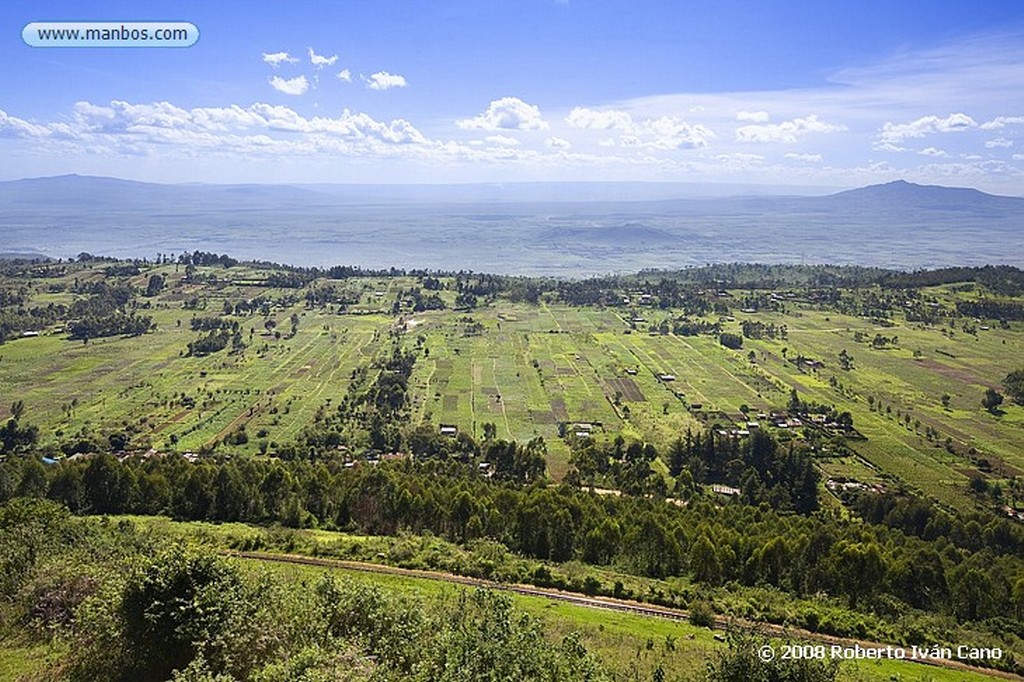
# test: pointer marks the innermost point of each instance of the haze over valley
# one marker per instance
(557, 229)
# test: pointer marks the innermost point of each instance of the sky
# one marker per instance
(787, 93)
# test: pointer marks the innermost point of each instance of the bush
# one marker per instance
(732, 341)
(742, 662)
(702, 615)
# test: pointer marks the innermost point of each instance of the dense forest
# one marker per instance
(909, 552)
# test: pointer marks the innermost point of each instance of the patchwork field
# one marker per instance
(530, 370)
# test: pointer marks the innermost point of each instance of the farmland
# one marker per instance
(528, 369)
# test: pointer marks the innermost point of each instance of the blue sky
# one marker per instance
(835, 94)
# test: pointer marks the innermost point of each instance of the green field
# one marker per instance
(525, 368)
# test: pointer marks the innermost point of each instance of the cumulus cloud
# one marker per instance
(345, 75)
(557, 143)
(809, 158)
(259, 129)
(932, 151)
(275, 59)
(12, 126)
(753, 116)
(1000, 122)
(895, 133)
(507, 113)
(998, 142)
(666, 132)
(320, 61)
(292, 86)
(382, 80)
(787, 131)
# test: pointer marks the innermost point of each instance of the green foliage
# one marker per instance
(702, 614)
(729, 340)
(14, 437)
(743, 662)
(485, 639)
(1014, 385)
(992, 400)
(180, 613)
(172, 605)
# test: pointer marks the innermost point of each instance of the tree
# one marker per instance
(17, 409)
(155, 285)
(860, 568)
(173, 607)
(729, 340)
(1014, 385)
(992, 400)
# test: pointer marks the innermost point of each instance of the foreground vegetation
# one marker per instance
(126, 606)
(92, 599)
(836, 449)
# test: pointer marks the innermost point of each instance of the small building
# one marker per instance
(667, 377)
(726, 490)
(696, 406)
(449, 430)
(632, 371)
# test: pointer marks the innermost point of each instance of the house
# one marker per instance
(632, 371)
(726, 490)
(449, 429)
(667, 377)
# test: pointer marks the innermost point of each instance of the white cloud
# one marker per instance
(589, 119)
(895, 133)
(502, 140)
(382, 80)
(275, 59)
(809, 158)
(1000, 122)
(293, 86)
(787, 131)
(932, 151)
(12, 126)
(665, 132)
(753, 116)
(557, 143)
(507, 113)
(320, 61)
(345, 75)
(1018, 157)
(260, 127)
(670, 132)
(739, 161)
(998, 142)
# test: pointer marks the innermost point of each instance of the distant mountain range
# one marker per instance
(533, 228)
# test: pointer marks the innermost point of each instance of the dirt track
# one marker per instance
(609, 604)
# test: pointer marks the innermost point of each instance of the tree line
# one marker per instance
(971, 569)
